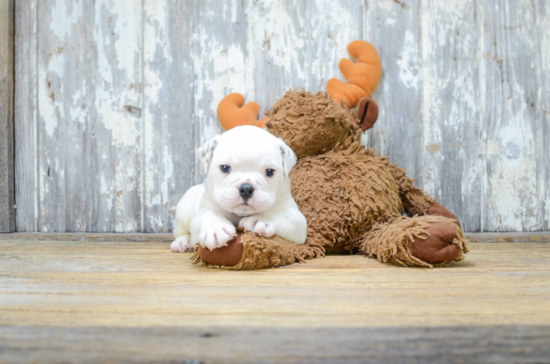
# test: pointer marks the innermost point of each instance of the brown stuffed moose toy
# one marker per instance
(354, 201)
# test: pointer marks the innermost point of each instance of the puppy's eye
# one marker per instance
(225, 168)
(269, 172)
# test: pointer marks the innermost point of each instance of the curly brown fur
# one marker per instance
(343, 193)
(310, 123)
(389, 242)
(260, 253)
(415, 201)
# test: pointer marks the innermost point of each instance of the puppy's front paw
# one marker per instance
(216, 235)
(182, 244)
(257, 225)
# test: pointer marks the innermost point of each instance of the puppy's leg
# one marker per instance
(211, 229)
(288, 223)
(258, 224)
(182, 244)
(185, 210)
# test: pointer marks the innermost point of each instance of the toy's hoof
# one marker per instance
(437, 248)
(228, 255)
(437, 209)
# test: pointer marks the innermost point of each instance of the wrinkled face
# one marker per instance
(247, 170)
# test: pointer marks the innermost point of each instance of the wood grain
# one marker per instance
(395, 25)
(140, 302)
(208, 345)
(26, 116)
(464, 100)
(7, 178)
(141, 284)
(450, 152)
(62, 69)
(298, 44)
(542, 19)
(113, 134)
(508, 91)
(89, 115)
(533, 237)
(168, 111)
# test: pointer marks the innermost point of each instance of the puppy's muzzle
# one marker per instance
(246, 191)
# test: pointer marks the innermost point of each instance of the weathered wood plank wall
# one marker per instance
(113, 97)
(7, 179)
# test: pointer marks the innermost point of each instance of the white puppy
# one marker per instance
(246, 185)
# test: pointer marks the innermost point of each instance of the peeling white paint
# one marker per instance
(128, 22)
(155, 33)
(66, 14)
(125, 38)
(469, 80)
(50, 90)
(153, 85)
(168, 171)
(156, 221)
(408, 62)
(123, 127)
(106, 192)
(285, 43)
(544, 135)
(79, 111)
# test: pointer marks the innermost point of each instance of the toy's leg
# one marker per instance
(251, 251)
(437, 209)
(415, 200)
(421, 241)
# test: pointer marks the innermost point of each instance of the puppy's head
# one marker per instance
(247, 170)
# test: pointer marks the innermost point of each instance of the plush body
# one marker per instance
(344, 190)
(353, 200)
(247, 184)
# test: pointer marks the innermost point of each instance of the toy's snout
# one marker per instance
(366, 113)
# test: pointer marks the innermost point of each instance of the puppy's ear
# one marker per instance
(289, 158)
(206, 152)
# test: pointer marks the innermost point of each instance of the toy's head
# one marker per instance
(314, 123)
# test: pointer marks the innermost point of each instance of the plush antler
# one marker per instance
(363, 77)
(232, 113)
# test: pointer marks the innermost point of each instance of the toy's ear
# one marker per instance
(206, 152)
(366, 113)
(289, 158)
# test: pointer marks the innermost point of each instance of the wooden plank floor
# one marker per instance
(103, 301)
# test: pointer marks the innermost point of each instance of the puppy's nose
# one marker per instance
(246, 190)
